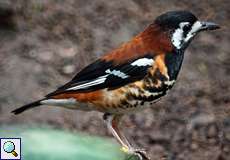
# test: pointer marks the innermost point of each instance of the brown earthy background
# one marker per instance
(43, 43)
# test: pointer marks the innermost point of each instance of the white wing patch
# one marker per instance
(117, 73)
(97, 81)
(143, 62)
(100, 80)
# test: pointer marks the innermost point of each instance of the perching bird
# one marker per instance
(133, 76)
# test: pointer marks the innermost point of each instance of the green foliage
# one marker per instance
(53, 144)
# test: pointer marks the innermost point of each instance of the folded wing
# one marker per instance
(106, 74)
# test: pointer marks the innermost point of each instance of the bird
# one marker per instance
(131, 77)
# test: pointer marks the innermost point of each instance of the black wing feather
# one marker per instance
(92, 71)
(98, 69)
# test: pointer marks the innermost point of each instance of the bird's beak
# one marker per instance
(209, 26)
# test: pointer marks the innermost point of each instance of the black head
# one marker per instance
(172, 19)
(182, 26)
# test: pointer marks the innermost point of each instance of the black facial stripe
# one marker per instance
(186, 29)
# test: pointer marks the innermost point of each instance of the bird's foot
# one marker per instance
(140, 153)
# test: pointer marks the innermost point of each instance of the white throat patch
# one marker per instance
(177, 38)
(178, 35)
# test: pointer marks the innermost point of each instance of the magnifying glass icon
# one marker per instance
(9, 147)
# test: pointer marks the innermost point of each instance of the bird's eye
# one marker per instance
(186, 27)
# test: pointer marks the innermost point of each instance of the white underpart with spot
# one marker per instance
(134, 91)
(143, 62)
(148, 94)
(117, 73)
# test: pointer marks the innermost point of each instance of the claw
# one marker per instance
(140, 153)
(125, 149)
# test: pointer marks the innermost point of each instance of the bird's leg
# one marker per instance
(112, 122)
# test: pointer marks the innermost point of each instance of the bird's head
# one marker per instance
(182, 26)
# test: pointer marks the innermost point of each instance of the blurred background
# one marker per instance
(43, 43)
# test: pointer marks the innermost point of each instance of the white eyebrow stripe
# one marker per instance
(117, 73)
(143, 62)
(182, 24)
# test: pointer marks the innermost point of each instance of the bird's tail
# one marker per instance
(28, 106)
